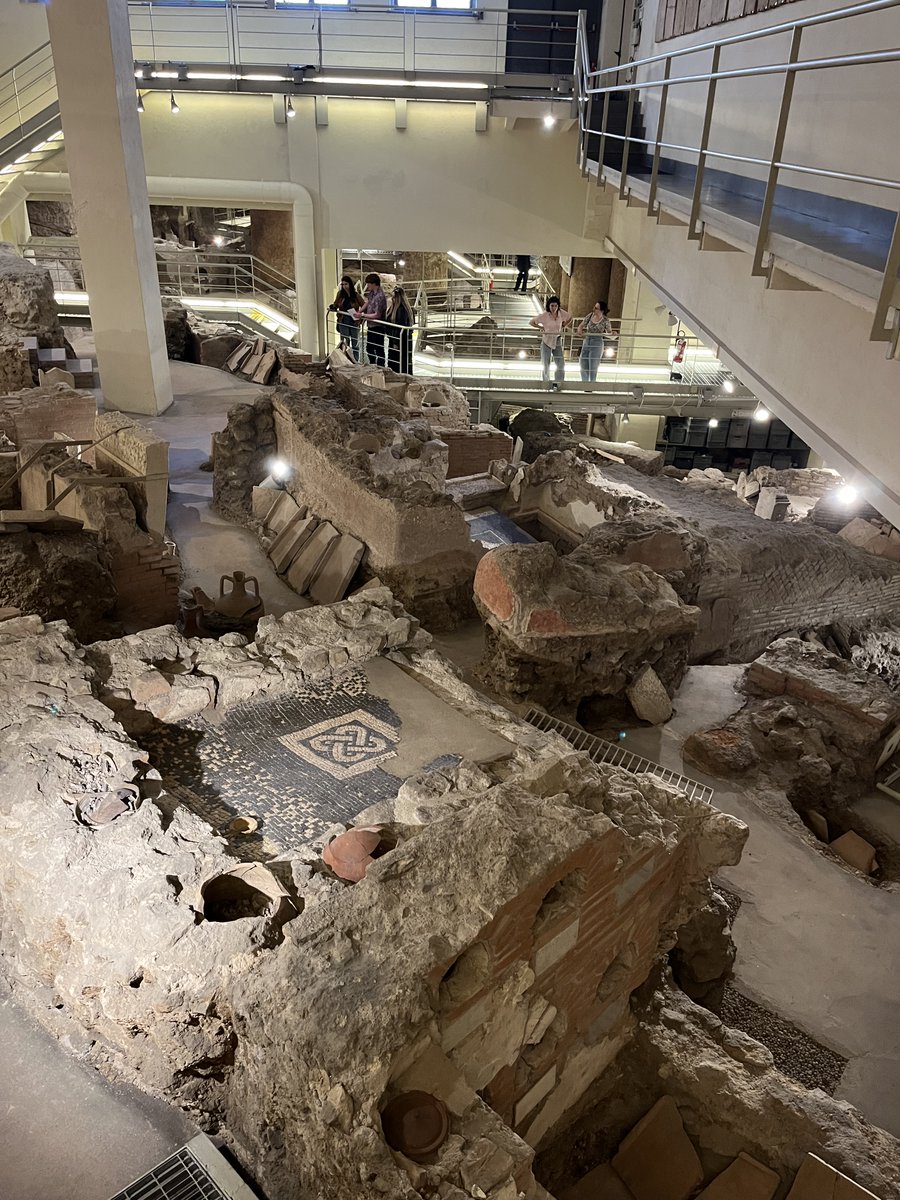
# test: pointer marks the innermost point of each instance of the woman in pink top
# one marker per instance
(551, 324)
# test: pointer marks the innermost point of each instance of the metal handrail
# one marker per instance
(886, 320)
(511, 353)
(835, 14)
(189, 273)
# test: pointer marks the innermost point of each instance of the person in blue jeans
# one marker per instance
(593, 328)
(347, 302)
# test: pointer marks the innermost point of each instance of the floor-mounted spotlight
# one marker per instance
(290, 111)
(173, 104)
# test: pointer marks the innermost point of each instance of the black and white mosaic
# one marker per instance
(297, 763)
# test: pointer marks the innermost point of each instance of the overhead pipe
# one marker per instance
(229, 192)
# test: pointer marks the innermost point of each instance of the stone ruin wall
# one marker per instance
(759, 581)
(494, 949)
(582, 875)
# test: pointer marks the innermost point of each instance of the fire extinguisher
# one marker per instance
(680, 346)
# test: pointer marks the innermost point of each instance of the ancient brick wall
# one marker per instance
(472, 451)
(573, 946)
(36, 414)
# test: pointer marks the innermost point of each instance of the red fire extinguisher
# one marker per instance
(680, 346)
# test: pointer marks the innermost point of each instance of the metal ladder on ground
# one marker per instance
(611, 755)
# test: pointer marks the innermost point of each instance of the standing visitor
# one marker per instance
(400, 320)
(373, 311)
(523, 266)
(593, 328)
(347, 302)
(551, 324)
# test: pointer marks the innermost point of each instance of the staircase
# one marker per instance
(30, 125)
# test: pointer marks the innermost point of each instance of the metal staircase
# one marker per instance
(711, 193)
(30, 125)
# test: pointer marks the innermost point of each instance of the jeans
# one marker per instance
(591, 356)
(348, 330)
(521, 284)
(375, 346)
(559, 359)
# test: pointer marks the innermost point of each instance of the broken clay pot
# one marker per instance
(416, 1124)
(351, 854)
(101, 808)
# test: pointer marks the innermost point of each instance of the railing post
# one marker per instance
(652, 206)
(626, 145)
(602, 148)
(886, 296)
(787, 93)
(693, 232)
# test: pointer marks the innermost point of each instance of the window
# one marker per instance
(464, 5)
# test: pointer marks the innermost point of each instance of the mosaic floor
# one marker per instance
(301, 762)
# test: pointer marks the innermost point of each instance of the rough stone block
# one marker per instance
(856, 851)
(772, 504)
(535, 1095)
(744, 1179)
(657, 1160)
(291, 540)
(303, 569)
(648, 697)
(336, 570)
(816, 1180)
(600, 1184)
(283, 510)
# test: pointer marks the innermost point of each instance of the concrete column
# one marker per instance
(331, 274)
(306, 274)
(95, 77)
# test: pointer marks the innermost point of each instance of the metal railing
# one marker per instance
(28, 104)
(508, 355)
(183, 272)
(637, 78)
(481, 42)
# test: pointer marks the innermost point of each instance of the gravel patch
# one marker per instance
(796, 1054)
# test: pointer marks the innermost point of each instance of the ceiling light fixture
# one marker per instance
(291, 112)
(761, 414)
(173, 104)
(624, 418)
(549, 120)
(140, 103)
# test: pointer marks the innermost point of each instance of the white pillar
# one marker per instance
(92, 54)
(305, 274)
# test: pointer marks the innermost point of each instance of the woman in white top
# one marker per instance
(593, 328)
(551, 324)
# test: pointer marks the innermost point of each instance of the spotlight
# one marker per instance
(848, 494)
(761, 414)
(624, 418)
(278, 469)
(290, 111)
(549, 121)
(173, 105)
(714, 422)
(673, 320)
(140, 104)
(609, 352)
(401, 262)
(218, 240)
(523, 354)
(728, 386)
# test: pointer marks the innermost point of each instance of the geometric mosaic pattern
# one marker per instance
(297, 763)
(344, 746)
